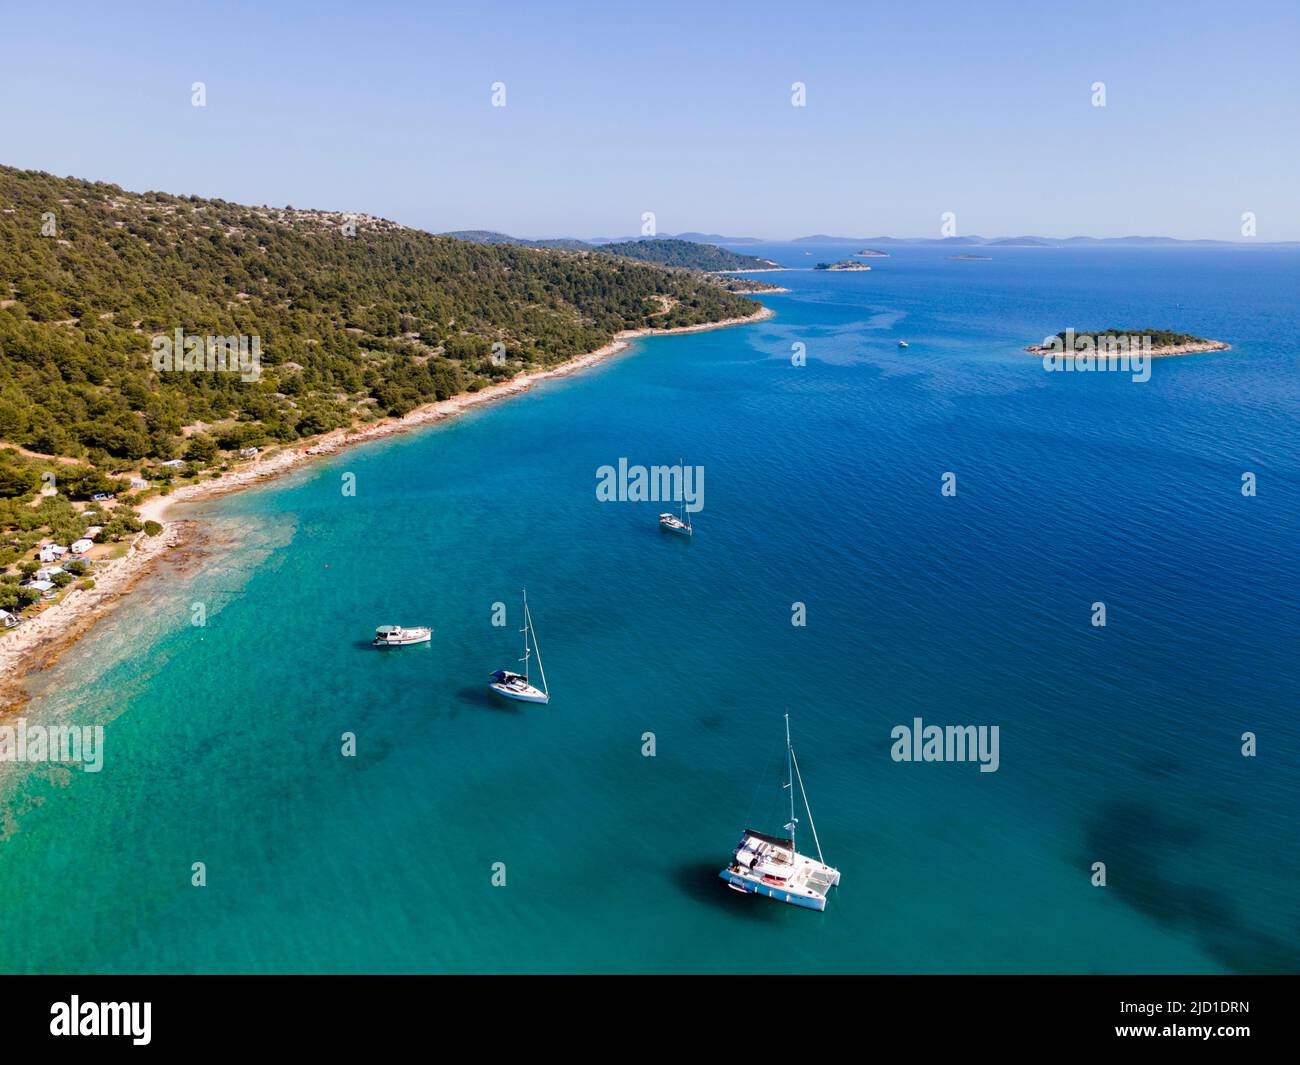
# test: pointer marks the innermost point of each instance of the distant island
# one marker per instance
(871, 253)
(1041, 242)
(973, 258)
(698, 238)
(713, 238)
(490, 236)
(847, 265)
(577, 244)
(1152, 343)
(873, 244)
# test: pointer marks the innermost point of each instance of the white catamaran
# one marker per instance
(517, 685)
(770, 865)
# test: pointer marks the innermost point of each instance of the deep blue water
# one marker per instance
(822, 486)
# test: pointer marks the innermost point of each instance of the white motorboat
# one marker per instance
(397, 636)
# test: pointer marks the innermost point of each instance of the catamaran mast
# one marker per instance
(789, 776)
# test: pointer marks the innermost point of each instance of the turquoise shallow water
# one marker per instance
(822, 483)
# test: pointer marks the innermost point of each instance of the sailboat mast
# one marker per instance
(525, 632)
(681, 509)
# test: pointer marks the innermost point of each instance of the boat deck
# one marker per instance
(404, 639)
(794, 878)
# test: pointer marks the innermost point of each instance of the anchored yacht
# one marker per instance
(679, 523)
(672, 523)
(770, 865)
(396, 636)
(517, 685)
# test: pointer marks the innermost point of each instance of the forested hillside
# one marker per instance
(356, 316)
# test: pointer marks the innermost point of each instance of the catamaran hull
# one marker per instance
(751, 887)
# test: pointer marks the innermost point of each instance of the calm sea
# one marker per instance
(1120, 744)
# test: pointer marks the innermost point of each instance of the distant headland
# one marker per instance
(1034, 242)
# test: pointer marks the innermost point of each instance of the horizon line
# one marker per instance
(719, 238)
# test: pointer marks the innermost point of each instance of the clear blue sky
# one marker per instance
(683, 109)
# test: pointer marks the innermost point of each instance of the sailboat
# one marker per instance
(517, 685)
(680, 522)
(771, 866)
